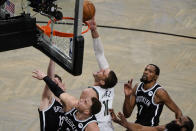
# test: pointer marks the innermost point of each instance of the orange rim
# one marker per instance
(47, 30)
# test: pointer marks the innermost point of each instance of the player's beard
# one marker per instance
(96, 78)
(172, 126)
(145, 80)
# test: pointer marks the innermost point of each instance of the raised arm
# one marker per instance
(164, 97)
(129, 102)
(121, 120)
(68, 100)
(47, 94)
(98, 46)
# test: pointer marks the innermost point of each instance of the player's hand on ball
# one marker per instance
(88, 10)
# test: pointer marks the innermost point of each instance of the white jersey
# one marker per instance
(106, 97)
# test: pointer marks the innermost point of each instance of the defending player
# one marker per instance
(149, 98)
(79, 114)
(50, 108)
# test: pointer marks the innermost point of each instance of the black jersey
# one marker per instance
(50, 118)
(148, 112)
(71, 123)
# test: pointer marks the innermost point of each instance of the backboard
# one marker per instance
(65, 51)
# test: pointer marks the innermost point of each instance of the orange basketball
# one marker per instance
(88, 10)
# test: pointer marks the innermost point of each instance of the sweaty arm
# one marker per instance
(164, 97)
(47, 94)
(137, 127)
(128, 106)
(121, 120)
(129, 103)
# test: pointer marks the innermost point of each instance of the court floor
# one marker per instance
(127, 52)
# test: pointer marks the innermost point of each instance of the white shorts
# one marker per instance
(106, 126)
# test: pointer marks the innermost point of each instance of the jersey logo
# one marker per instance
(143, 100)
(80, 125)
(150, 93)
(58, 109)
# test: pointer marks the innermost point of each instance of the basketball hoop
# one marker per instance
(47, 30)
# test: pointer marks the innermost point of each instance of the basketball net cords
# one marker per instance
(62, 43)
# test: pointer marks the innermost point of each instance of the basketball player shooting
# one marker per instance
(104, 82)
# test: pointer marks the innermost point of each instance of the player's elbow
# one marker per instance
(127, 111)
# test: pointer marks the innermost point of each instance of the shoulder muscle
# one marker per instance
(92, 127)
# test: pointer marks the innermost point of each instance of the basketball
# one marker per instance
(88, 10)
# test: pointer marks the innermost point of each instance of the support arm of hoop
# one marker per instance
(17, 32)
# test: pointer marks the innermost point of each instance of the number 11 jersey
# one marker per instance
(106, 97)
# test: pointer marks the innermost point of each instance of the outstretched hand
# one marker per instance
(120, 118)
(38, 75)
(123, 120)
(114, 117)
(128, 88)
